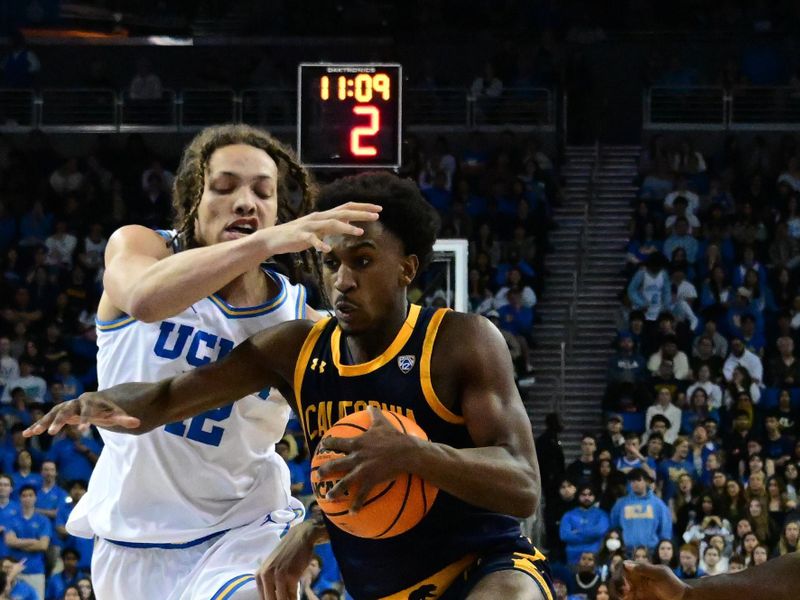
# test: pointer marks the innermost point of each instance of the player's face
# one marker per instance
(5, 487)
(240, 195)
(366, 277)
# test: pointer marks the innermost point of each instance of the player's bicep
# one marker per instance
(130, 252)
(490, 402)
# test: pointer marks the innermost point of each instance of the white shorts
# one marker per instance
(218, 569)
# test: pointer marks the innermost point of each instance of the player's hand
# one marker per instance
(371, 458)
(309, 231)
(278, 577)
(639, 581)
(90, 408)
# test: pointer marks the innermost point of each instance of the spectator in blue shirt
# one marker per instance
(681, 238)
(72, 385)
(642, 516)
(69, 576)
(777, 446)
(672, 468)
(9, 510)
(312, 582)
(582, 529)
(689, 559)
(74, 454)
(23, 475)
(50, 494)
(28, 537)
(82, 546)
(514, 317)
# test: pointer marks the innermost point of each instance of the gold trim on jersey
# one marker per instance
(527, 563)
(425, 372)
(437, 584)
(302, 363)
(376, 363)
(119, 323)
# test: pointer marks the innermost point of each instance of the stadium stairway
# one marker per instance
(582, 290)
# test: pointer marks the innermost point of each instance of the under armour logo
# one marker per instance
(423, 592)
(406, 362)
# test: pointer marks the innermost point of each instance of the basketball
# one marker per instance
(392, 507)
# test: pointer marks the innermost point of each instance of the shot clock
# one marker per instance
(349, 115)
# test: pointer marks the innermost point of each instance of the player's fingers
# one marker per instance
(337, 444)
(360, 497)
(350, 481)
(349, 215)
(267, 582)
(377, 416)
(367, 207)
(260, 587)
(313, 241)
(337, 466)
(69, 413)
(335, 227)
(282, 587)
(40, 426)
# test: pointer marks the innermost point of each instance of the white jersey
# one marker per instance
(196, 478)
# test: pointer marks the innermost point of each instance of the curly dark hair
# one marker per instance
(190, 182)
(405, 212)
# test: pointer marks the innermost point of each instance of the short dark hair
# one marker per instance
(636, 315)
(405, 212)
(660, 419)
(638, 473)
(71, 551)
(27, 487)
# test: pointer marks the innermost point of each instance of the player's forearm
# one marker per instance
(172, 284)
(777, 579)
(489, 477)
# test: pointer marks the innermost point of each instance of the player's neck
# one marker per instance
(372, 343)
(249, 289)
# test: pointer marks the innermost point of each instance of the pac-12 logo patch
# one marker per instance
(406, 362)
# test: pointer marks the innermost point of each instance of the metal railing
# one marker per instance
(577, 275)
(98, 110)
(532, 106)
(716, 108)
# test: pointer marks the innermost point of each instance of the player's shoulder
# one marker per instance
(137, 239)
(464, 334)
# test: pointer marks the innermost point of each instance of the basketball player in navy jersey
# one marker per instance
(450, 372)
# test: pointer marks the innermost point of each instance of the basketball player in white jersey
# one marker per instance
(188, 511)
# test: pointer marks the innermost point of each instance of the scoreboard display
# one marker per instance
(349, 115)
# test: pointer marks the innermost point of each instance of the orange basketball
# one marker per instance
(392, 507)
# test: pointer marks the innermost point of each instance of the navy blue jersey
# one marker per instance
(399, 380)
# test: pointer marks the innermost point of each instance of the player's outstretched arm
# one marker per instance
(777, 579)
(471, 363)
(145, 280)
(266, 359)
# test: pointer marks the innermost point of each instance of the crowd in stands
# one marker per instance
(698, 465)
(56, 213)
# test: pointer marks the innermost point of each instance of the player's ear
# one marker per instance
(408, 269)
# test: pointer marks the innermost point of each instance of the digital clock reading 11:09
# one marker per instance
(349, 115)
